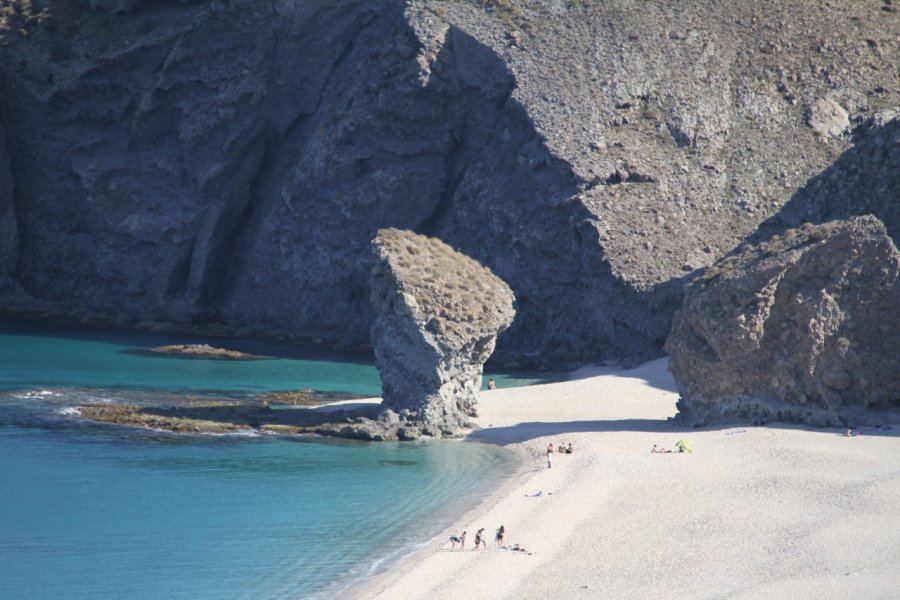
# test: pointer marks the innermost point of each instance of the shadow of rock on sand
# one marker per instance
(655, 373)
(527, 431)
(524, 432)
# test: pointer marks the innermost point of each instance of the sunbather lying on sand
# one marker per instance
(515, 548)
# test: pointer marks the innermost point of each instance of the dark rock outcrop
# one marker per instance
(804, 327)
(437, 316)
(9, 238)
(225, 164)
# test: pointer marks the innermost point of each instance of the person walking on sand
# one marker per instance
(499, 537)
(550, 455)
(479, 539)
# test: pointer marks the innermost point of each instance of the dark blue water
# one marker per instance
(94, 511)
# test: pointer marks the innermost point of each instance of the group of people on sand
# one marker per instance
(563, 448)
(661, 450)
(480, 539)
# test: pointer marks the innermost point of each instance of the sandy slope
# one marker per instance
(753, 512)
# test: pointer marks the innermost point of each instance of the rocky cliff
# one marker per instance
(864, 180)
(437, 316)
(9, 238)
(804, 327)
(225, 164)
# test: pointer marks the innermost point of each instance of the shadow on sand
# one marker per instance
(654, 373)
(524, 432)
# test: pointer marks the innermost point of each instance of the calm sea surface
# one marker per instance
(103, 512)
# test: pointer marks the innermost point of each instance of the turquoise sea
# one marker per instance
(90, 511)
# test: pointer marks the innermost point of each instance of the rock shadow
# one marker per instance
(865, 179)
(523, 432)
(652, 373)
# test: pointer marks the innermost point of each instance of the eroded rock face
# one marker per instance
(804, 328)
(437, 316)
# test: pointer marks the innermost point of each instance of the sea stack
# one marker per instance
(804, 327)
(437, 317)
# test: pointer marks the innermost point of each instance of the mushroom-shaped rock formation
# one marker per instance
(804, 327)
(437, 316)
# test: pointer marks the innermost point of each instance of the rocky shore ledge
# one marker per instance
(294, 412)
(357, 421)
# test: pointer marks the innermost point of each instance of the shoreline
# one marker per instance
(532, 464)
(391, 569)
(778, 511)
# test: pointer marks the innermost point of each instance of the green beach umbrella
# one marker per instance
(684, 445)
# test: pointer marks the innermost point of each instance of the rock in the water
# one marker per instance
(437, 316)
(804, 327)
(202, 351)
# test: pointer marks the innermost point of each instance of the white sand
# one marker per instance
(753, 512)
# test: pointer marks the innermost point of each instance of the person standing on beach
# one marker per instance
(550, 455)
(491, 384)
(499, 536)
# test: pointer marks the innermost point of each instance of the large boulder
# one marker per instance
(804, 327)
(437, 316)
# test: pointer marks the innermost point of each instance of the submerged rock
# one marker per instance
(202, 351)
(437, 317)
(804, 327)
(136, 416)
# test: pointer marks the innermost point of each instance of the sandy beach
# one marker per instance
(752, 512)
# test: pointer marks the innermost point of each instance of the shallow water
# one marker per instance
(96, 511)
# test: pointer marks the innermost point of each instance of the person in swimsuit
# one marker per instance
(460, 539)
(499, 536)
(479, 539)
